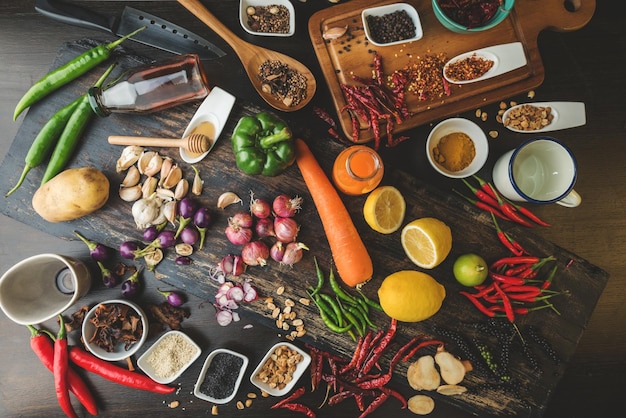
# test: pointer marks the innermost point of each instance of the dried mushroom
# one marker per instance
(168, 315)
(115, 323)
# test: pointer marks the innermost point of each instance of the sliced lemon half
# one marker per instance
(427, 242)
(384, 209)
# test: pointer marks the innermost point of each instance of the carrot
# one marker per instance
(352, 260)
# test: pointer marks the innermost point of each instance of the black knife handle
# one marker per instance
(75, 15)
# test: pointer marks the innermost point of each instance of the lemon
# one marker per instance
(410, 295)
(384, 209)
(427, 242)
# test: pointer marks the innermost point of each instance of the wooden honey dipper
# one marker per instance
(194, 143)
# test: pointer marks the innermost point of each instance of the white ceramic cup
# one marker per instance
(540, 170)
(41, 287)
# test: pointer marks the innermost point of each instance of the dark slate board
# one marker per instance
(472, 231)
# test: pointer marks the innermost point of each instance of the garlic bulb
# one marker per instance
(147, 211)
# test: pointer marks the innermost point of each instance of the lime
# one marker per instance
(470, 270)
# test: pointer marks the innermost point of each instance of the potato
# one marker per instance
(71, 194)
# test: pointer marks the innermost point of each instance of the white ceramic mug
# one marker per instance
(540, 170)
(41, 287)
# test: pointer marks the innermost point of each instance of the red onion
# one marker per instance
(250, 293)
(277, 251)
(241, 219)
(259, 207)
(286, 207)
(224, 317)
(285, 229)
(264, 228)
(238, 235)
(293, 253)
(232, 264)
(255, 253)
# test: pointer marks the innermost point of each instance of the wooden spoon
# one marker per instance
(194, 143)
(252, 56)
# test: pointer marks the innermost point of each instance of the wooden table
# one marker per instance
(579, 66)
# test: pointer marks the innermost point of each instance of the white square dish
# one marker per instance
(389, 9)
(300, 368)
(220, 376)
(243, 16)
(169, 343)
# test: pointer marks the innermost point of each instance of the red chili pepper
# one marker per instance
(396, 395)
(482, 308)
(508, 308)
(396, 358)
(360, 402)
(380, 348)
(523, 259)
(43, 346)
(526, 212)
(294, 395)
(340, 397)
(60, 367)
(483, 206)
(374, 404)
(298, 407)
(501, 278)
(375, 383)
(115, 373)
(486, 187)
(513, 271)
(508, 209)
(511, 244)
(419, 347)
(317, 362)
(535, 267)
(546, 284)
(485, 197)
(355, 356)
(520, 289)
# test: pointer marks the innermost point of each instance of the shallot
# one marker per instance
(232, 264)
(228, 297)
(255, 253)
(237, 235)
(285, 229)
(293, 253)
(264, 227)
(277, 251)
(241, 219)
(259, 207)
(286, 207)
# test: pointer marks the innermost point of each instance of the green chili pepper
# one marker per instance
(320, 278)
(342, 294)
(369, 301)
(334, 306)
(263, 145)
(71, 134)
(68, 72)
(355, 320)
(44, 142)
(327, 318)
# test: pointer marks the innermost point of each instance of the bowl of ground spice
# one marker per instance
(267, 17)
(169, 357)
(392, 24)
(221, 376)
(457, 148)
(471, 15)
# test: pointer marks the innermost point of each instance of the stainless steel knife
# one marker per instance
(159, 33)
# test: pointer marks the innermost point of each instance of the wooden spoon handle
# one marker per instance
(146, 141)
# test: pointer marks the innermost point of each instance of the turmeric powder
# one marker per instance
(455, 151)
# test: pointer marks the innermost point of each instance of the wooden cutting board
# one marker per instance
(351, 54)
(472, 232)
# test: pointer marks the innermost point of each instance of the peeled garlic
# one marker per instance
(181, 189)
(227, 198)
(129, 156)
(130, 194)
(132, 177)
(166, 166)
(196, 187)
(165, 194)
(173, 177)
(334, 33)
(170, 211)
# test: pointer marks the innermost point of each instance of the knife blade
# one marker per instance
(159, 33)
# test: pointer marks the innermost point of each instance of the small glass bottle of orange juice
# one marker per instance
(357, 170)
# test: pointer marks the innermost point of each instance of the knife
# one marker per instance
(159, 33)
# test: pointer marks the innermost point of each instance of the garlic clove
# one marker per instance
(145, 163)
(334, 33)
(198, 183)
(130, 194)
(149, 186)
(130, 155)
(170, 211)
(166, 167)
(182, 188)
(173, 177)
(165, 194)
(227, 198)
(132, 177)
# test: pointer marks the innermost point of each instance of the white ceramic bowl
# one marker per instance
(388, 9)
(472, 130)
(197, 391)
(300, 369)
(120, 352)
(144, 361)
(243, 16)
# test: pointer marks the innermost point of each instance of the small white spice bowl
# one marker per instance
(476, 134)
(388, 9)
(207, 363)
(144, 361)
(243, 15)
(300, 369)
(120, 353)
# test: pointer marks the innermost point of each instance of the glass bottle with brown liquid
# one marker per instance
(154, 87)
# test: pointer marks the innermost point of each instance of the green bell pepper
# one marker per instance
(263, 145)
